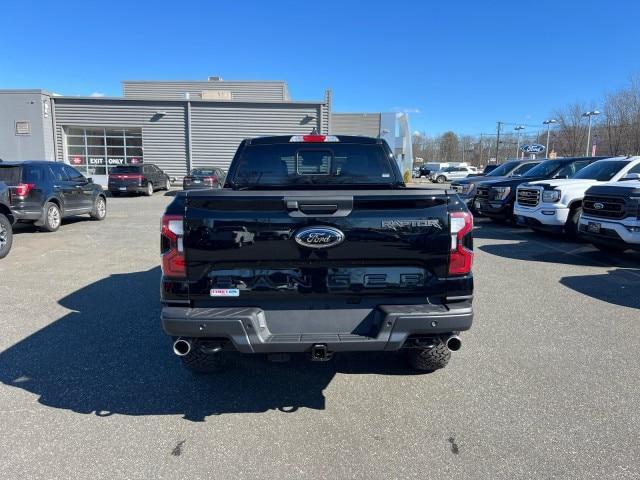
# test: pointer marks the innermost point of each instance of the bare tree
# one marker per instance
(449, 147)
(571, 135)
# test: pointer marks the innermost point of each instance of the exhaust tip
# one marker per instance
(181, 347)
(454, 343)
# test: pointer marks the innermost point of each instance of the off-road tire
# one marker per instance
(99, 212)
(149, 191)
(50, 225)
(429, 359)
(6, 236)
(200, 362)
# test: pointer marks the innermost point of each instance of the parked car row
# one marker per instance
(580, 197)
(441, 173)
(43, 193)
(445, 171)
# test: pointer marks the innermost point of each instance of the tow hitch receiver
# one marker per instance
(320, 353)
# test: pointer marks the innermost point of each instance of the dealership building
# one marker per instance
(176, 125)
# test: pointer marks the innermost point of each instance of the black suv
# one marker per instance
(6, 220)
(144, 179)
(45, 192)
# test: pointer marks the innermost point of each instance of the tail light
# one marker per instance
(314, 138)
(23, 189)
(210, 180)
(460, 257)
(117, 176)
(172, 247)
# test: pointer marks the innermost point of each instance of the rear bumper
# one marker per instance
(27, 211)
(388, 326)
(26, 215)
(130, 188)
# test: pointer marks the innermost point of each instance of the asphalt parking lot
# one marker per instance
(545, 386)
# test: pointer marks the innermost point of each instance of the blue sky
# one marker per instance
(454, 65)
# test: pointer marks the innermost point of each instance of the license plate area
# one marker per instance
(594, 227)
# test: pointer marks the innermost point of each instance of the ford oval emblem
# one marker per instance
(535, 148)
(598, 206)
(319, 237)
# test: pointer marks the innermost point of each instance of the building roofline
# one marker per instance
(184, 101)
(358, 113)
(25, 90)
(205, 81)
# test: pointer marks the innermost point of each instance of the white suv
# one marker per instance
(451, 173)
(556, 205)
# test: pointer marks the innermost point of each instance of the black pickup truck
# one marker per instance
(315, 245)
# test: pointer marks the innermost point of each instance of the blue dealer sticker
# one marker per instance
(224, 292)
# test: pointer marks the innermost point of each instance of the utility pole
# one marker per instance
(498, 142)
(548, 124)
(481, 149)
(589, 114)
(518, 129)
(463, 150)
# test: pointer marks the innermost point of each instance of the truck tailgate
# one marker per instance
(244, 243)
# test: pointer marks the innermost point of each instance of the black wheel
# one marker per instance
(200, 362)
(99, 211)
(6, 236)
(149, 191)
(441, 179)
(52, 217)
(604, 247)
(571, 228)
(429, 359)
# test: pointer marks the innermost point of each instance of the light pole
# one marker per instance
(589, 114)
(517, 129)
(548, 124)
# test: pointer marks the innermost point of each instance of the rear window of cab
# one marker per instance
(126, 169)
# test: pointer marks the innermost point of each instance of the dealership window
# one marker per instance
(94, 151)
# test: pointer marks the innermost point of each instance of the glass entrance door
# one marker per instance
(94, 151)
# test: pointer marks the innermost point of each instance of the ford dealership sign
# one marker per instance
(533, 148)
